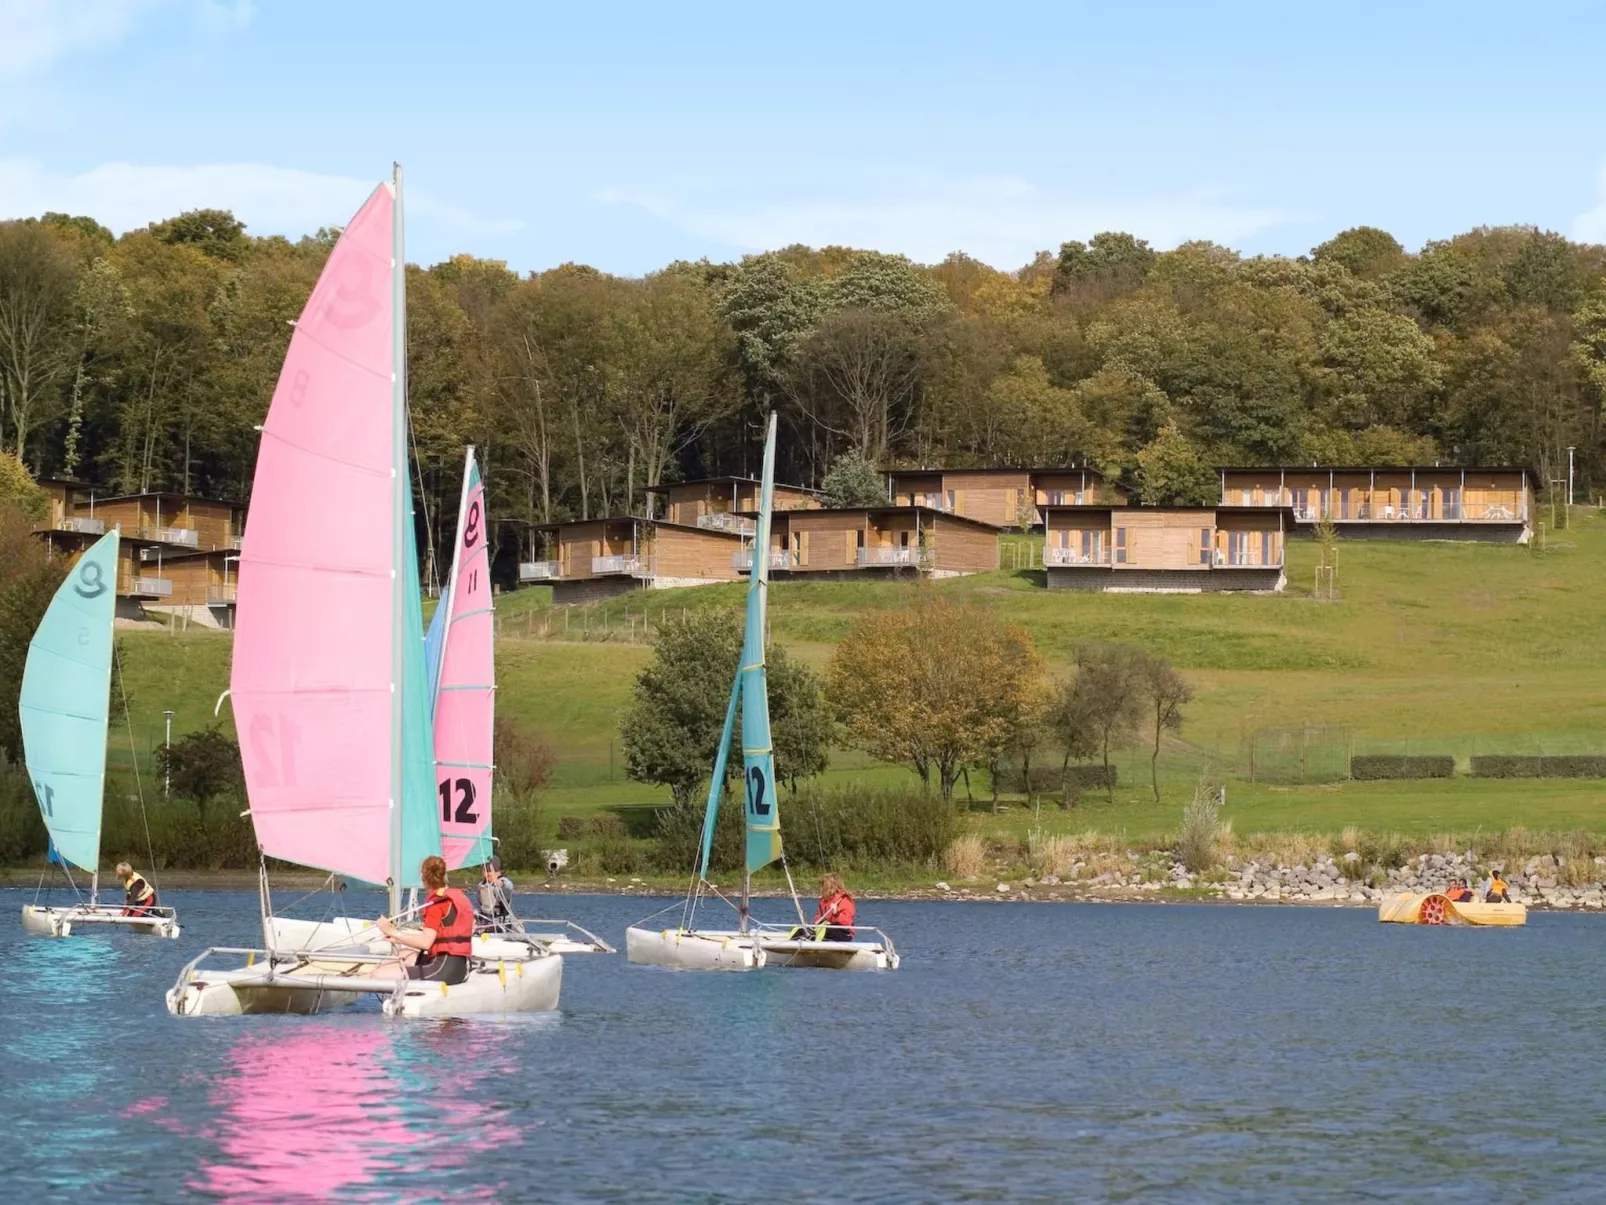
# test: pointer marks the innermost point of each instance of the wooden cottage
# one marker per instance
(722, 503)
(876, 541)
(1000, 497)
(1172, 549)
(1409, 502)
(592, 559)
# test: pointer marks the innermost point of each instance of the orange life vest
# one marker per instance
(452, 917)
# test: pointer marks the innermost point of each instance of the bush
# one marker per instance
(1201, 824)
(518, 835)
(22, 830)
(1501, 765)
(858, 828)
(1049, 779)
(966, 856)
(679, 836)
(1376, 767)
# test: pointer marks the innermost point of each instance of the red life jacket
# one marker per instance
(452, 917)
(837, 911)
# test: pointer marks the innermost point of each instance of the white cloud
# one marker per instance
(270, 200)
(38, 34)
(1590, 226)
(1001, 220)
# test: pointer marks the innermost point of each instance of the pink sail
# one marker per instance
(314, 630)
(465, 698)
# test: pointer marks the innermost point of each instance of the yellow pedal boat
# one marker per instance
(1435, 908)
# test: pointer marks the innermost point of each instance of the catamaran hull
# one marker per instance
(699, 951)
(1437, 909)
(349, 932)
(830, 955)
(64, 922)
(492, 987)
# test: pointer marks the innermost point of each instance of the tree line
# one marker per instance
(939, 687)
(145, 361)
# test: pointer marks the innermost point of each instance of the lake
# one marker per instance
(1024, 1052)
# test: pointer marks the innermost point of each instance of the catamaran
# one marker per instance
(751, 944)
(329, 682)
(460, 670)
(65, 705)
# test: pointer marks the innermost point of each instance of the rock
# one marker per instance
(1546, 883)
(1028, 882)
(1051, 880)
(1233, 894)
(1352, 858)
(944, 887)
(1003, 886)
(1546, 862)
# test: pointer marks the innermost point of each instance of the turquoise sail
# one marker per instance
(758, 759)
(66, 692)
(435, 645)
(716, 784)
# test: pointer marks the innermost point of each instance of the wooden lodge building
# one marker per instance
(876, 541)
(1403, 502)
(1165, 549)
(722, 503)
(177, 553)
(593, 559)
(999, 497)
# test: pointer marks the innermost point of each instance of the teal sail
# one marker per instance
(66, 692)
(758, 759)
(716, 784)
(415, 831)
(435, 645)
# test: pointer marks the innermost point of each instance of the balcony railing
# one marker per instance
(913, 557)
(188, 537)
(538, 571)
(1416, 511)
(1060, 557)
(601, 565)
(221, 596)
(236, 542)
(150, 587)
(725, 521)
(780, 558)
(88, 527)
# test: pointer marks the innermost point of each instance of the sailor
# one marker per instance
(139, 897)
(834, 919)
(1498, 892)
(496, 897)
(444, 942)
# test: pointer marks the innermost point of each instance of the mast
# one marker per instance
(403, 498)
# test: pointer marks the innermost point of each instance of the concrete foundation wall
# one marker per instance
(194, 613)
(1165, 581)
(1464, 533)
(592, 589)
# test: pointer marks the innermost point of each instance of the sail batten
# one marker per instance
(65, 703)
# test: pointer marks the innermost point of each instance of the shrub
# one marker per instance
(518, 835)
(1055, 855)
(860, 828)
(1201, 823)
(571, 828)
(202, 766)
(966, 856)
(1502, 765)
(679, 836)
(1376, 767)
(1389, 851)
(22, 831)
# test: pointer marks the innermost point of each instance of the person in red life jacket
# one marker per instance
(834, 920)
(139, 897)
(1459, 892)
(444, 942)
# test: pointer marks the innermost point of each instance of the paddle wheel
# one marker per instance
(1435, 911)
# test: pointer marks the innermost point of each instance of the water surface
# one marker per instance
(1047, 1052)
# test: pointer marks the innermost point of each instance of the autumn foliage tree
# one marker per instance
(937, 686)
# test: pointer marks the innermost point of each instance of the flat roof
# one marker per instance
(1132, 507)
(1380, 468)
(665, 486)
(1029, 471)
(161, 494)
(888, 510)
(707, 531)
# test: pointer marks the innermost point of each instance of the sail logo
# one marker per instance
(91, 581)
(349, 303)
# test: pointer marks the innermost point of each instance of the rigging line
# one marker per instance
(139, 788)
(792, 887)
(423, 494)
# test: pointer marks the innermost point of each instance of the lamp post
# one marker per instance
(167, 757)
(1569, 474)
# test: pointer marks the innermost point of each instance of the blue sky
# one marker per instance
(629, 135)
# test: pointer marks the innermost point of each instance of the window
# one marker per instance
(952, 502)
(1343, 504)
(1265, 548)
(1247, 495)
(1302, 503)
(1238, 547)
(1452, 501)
(1120, 545)
(1088, 547)
(903, 539)
(1204, 545)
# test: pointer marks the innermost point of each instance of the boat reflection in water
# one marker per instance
(356, 1110)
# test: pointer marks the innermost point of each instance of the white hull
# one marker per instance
(64, 922)
(830, 955)
(707, 950)
(494, 986)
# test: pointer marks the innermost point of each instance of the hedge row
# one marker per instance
(1374, 767)
(1048, 780)
(1502, 765)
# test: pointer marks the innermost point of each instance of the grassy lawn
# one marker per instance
(1431, 648)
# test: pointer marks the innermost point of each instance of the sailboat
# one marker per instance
(751, 944)
(459, 666)
(66, 698)
(329, 681)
